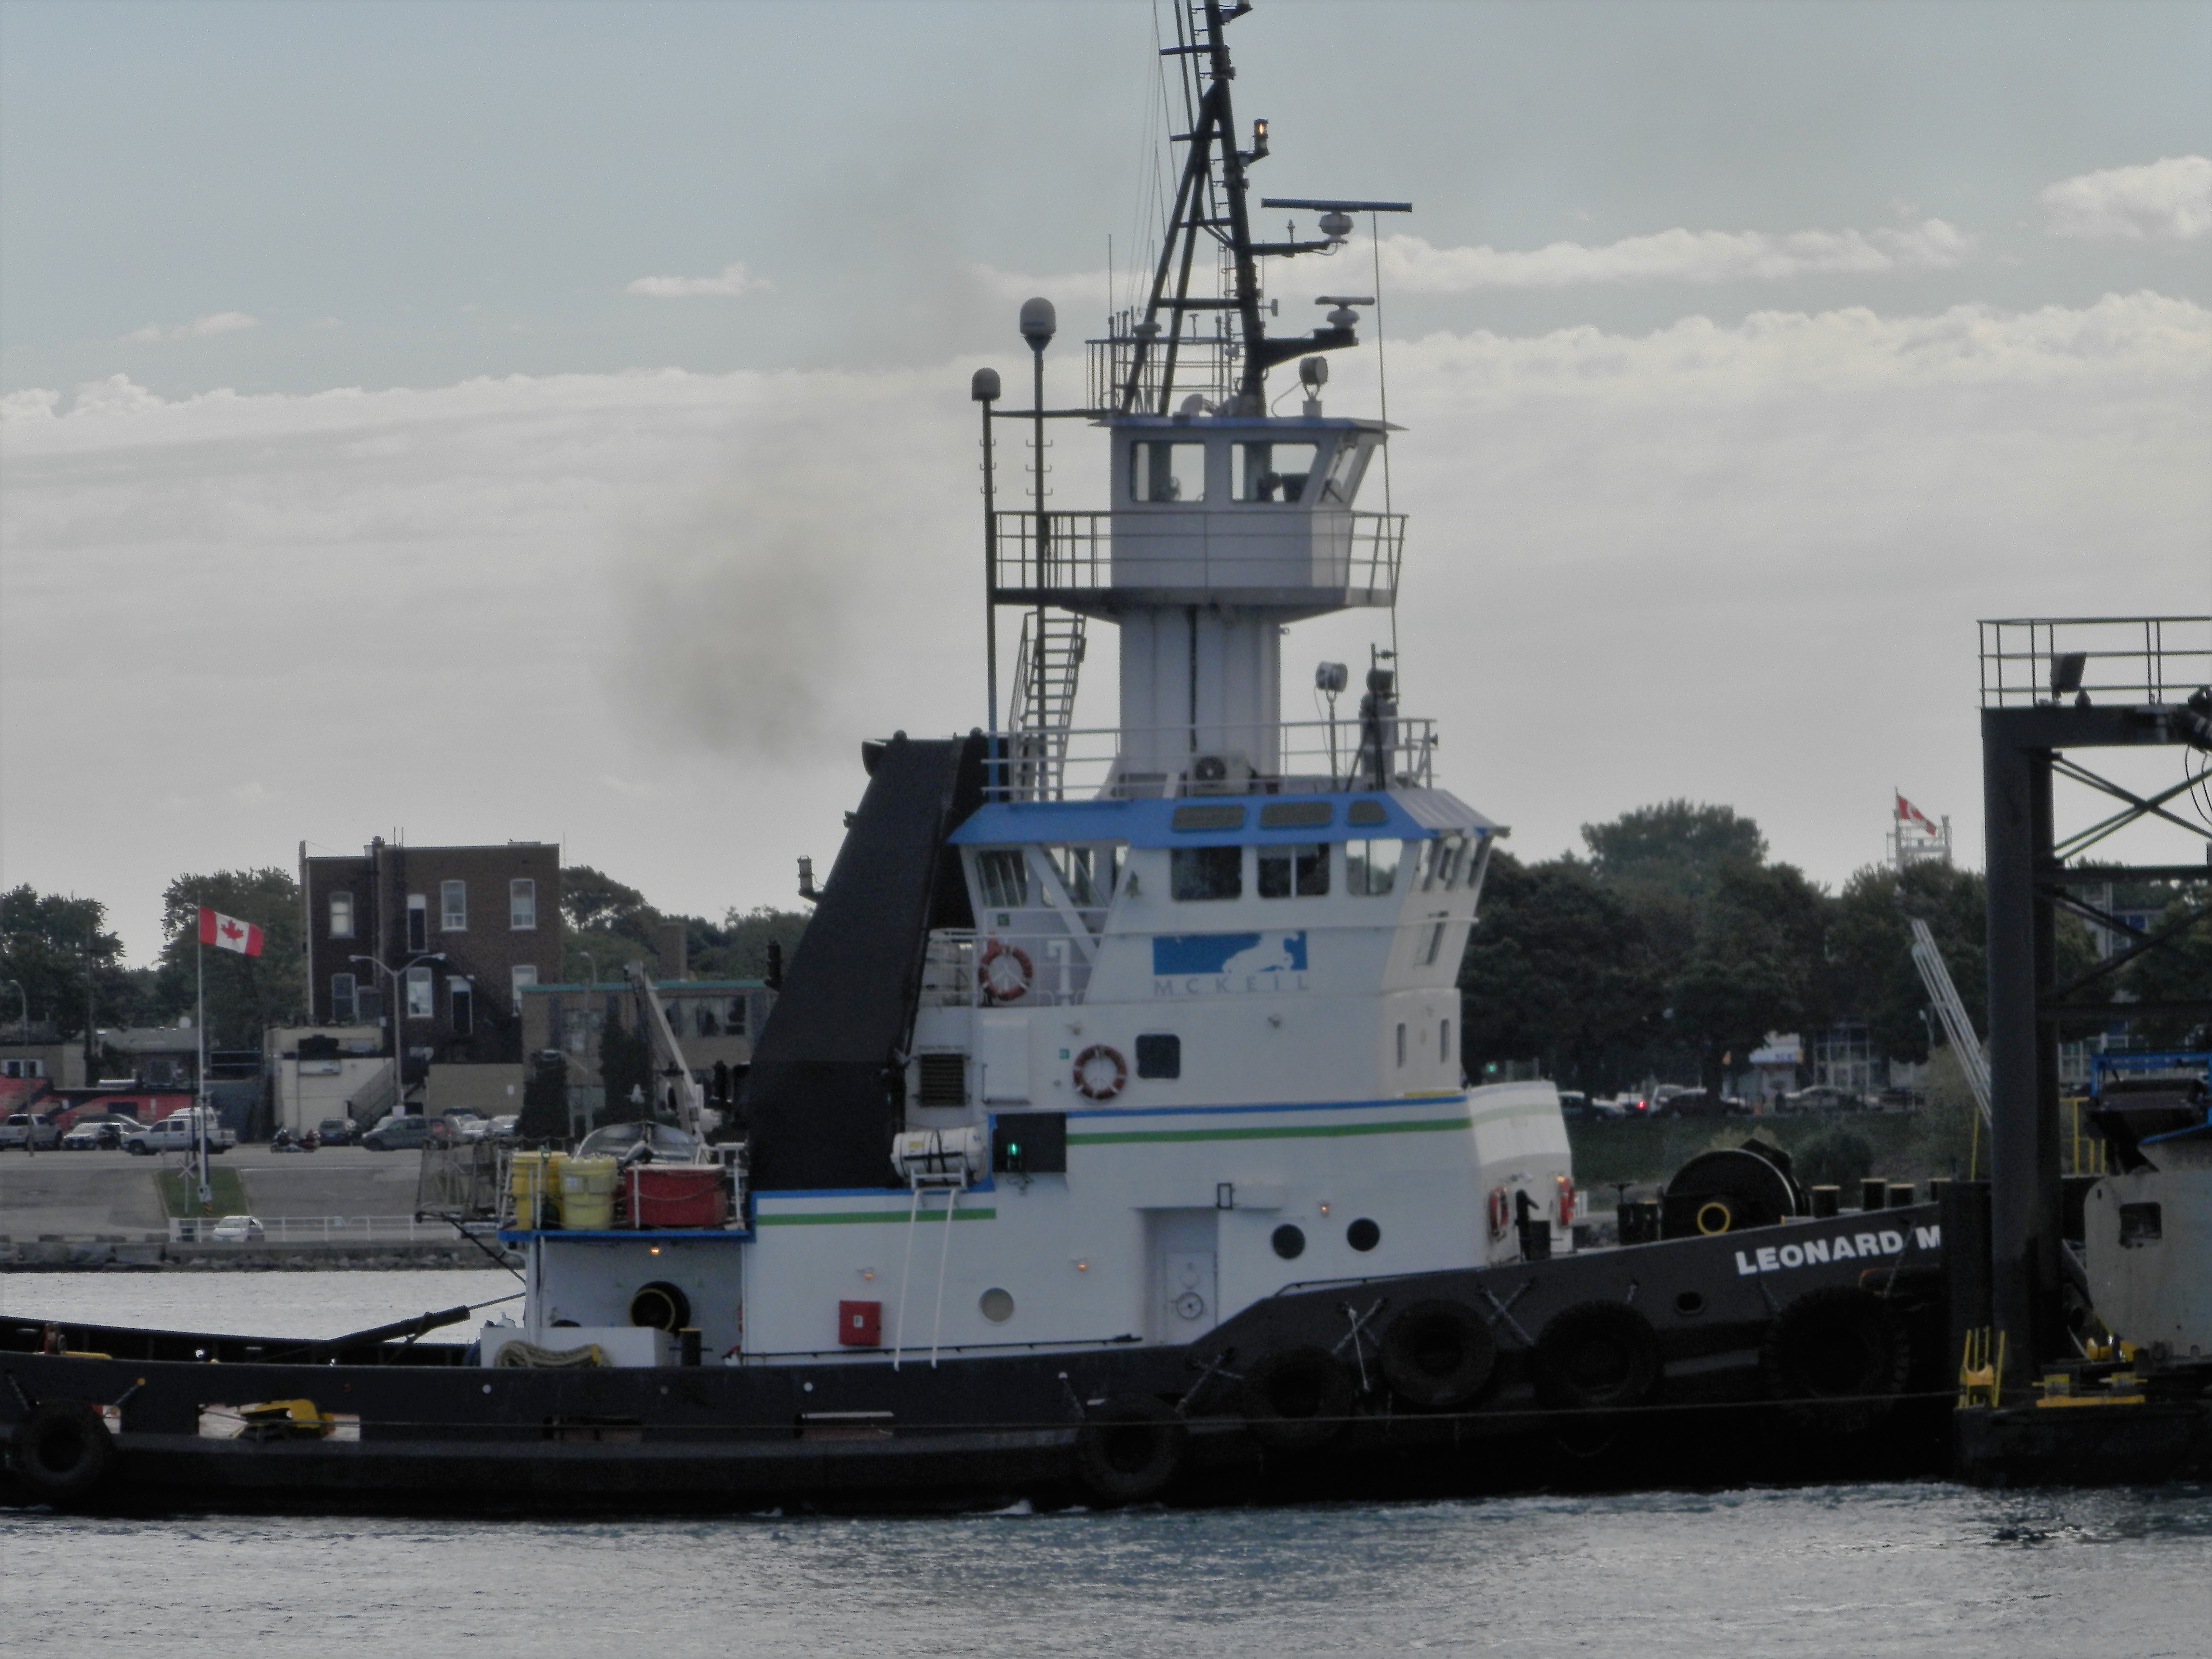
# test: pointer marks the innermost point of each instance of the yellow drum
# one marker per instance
(587, 1193)
(534, 1183)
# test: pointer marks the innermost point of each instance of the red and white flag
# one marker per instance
(229, 934)
(1907, 813)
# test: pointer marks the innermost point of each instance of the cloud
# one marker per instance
(2168, 200)
(729, 284)
(220, 322)
(1410, 263)
(460, 610)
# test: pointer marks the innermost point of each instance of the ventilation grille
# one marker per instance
(944, 1079)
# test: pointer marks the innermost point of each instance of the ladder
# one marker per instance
(1047, 666)
(1952, 1013)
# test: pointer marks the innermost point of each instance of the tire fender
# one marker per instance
(61, 1450)
(1298, 1400)
(1596, 1356)
(1129, 1449)
(1438, 1354)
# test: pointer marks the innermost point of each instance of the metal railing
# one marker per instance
(1358, 554)
(1309, 757)
(1028, 961)
(1203, 363)
(319, 1230)
(2126, 660)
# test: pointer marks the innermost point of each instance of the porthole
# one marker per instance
(1289, 1242)
(1690, 1302)
(1363, 1235)
(998, 1305)
(661, 1306)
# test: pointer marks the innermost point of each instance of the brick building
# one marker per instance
(453, 935)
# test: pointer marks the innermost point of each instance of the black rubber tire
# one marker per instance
(1129, 1449)
(1596, 1356)
(1838, 1354)
(1298, 1400)
(1438, 1355)
(61, 1450)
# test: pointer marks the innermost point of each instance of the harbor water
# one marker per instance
(1907, 1569)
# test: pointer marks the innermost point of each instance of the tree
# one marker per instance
(1870, 950)
(1557, 968)
(545, 1115)
(1664, 862)
(245, 996)
(1756, 965)
(58, 949)
(2178, 971)
(625, 1070)
(738, 948)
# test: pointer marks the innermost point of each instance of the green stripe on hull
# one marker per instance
(1289, 1132)
(838, 1217)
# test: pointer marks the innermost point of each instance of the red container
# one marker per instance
(676, 1195)
(859, 1324)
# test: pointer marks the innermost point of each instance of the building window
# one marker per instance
(576, 1030)
(521, 904)
(418, 922)
(704, 1020)
(464, 1002)
(520, 978)
(453, 906)
(419, 1005)
(1371, 867)
(342, 915)
(1206, 872)
(735, 1023)
(342, 999)
(1297, 870)
(1159, 1055)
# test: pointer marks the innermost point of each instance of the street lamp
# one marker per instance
(395, 974)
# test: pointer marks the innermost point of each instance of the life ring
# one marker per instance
(62, 1450)
(1090, 1068)
(1129, 1449)
(1012, 984)
(1298, 1400)
(1501, 1212)
(1596, 1356)
(1438, 1355)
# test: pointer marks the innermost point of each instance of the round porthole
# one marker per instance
(1690, 1302)
(998, 1306)
(661, 1307)
(1289, 1242)
(1363, 1235)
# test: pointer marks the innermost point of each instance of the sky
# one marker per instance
(550, 422)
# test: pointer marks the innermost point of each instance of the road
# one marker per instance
(111, 1192)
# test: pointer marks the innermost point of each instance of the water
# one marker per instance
(1840, 1571)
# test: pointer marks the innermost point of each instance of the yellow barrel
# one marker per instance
(534, 1183)
(587, 1193)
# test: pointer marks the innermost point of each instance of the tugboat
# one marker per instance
(1109, 1138)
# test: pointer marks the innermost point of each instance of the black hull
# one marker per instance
(442, 1436)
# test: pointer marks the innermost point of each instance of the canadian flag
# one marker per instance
(229, 934)
(1906, 812)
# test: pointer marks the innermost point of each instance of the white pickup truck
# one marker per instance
(178, 1133)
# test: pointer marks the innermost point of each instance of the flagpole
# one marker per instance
(199, 972)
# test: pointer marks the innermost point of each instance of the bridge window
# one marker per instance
(1300, 871)
(1371, 867)
(1004, 876)
(1206, 872)
(1159, 1055)
(1088, 872)
(1273, 472)
(1343, 481)
(1163, 472)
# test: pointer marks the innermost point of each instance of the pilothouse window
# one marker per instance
(1300, 870)
(1273, 472)
(1343, 481)
(1088, 872)
(1207, 872)
(1160, 471)
(1371, 867)
(1004, 876)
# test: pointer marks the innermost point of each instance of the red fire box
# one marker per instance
(859, 1324)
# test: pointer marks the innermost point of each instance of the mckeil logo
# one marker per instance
(1228, 964)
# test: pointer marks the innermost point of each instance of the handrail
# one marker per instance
(2156, 659)
(1289, 757)
(1360, 554)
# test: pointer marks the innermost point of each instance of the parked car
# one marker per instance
(178, 1133)
(407, 1135)
(30, 1131)
(1630, 1105)
(238, 1230)
(1575, 1106)
(502, 1126)
(1823, 1098)
(618, 1139)
(335, 1132)
(96, 1135)
(1689, 1103)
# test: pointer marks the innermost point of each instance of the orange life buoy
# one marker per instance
(1004, 972)
(1501, 1212)
(1100, 1072)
